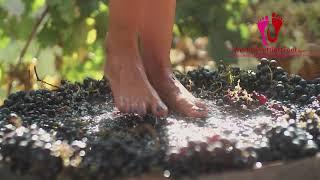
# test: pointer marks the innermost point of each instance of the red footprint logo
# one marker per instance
(277, 22)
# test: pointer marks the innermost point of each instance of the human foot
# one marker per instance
(262, 25)
(176, 96)
(277, 22)
(156, 43)
(131, 89)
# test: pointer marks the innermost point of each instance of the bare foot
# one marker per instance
(156, 43)
(131, 89)
(176, 96)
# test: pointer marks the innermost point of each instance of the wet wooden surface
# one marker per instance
(306, 169)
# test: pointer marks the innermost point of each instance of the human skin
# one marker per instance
(141, 80)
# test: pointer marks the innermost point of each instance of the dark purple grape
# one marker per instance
(273, 63)
(279, 87)
(279, 70)
(298, 89)
(303, 98)
(303, 83)
(264, 61)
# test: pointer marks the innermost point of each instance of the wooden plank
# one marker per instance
(306, 169)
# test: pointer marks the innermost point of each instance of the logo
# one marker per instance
(263, 26)
(269, 28)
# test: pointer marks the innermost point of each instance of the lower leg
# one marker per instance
(124, 69)
(156, 38)
(156, 34)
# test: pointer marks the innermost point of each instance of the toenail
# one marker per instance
(200, 109)
(159, 108)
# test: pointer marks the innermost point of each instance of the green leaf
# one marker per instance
(91, 37)
(37, 4)
(244, 31)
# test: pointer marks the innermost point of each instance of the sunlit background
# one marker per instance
(64, 38)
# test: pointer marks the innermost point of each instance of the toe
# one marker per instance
(159, 109)
(133, 107)
(136, 107)
(142, 109)
(201, 104)
(196, 112)
(125, 104)
(117, 103)
(120, 104)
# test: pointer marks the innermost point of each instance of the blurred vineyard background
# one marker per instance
(64, 38)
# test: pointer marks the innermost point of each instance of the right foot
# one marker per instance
(175, 95)
(131, 89)
(277, 22)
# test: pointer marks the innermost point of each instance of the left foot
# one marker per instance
(175, 95)
(262, 25)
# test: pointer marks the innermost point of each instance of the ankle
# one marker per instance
(158, 74)
(120, 42)
(156, 64)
